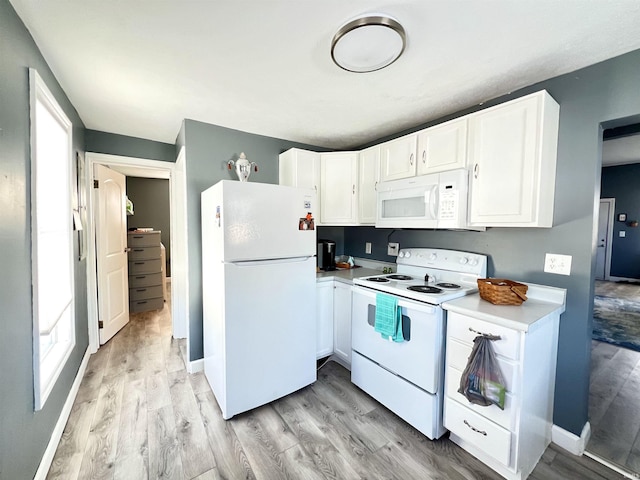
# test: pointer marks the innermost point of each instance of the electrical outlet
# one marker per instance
(559, 264)
(367, 247)
(622, 234)
(393, 248)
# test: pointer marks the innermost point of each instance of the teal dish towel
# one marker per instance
(388, 321)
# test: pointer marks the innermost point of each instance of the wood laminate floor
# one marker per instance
(140, 415)
(614, 403)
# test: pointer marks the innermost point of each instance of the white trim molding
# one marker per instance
(56, 435)
(569, 441)
(179, 291)
(195, 366)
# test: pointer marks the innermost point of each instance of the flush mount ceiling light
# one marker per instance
(368, 43)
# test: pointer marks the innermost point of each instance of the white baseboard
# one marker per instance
(56, 435)
(570, 442)
(195, 366)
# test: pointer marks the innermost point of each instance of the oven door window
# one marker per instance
(406, 322)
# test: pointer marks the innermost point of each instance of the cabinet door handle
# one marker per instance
(424, 157)
(481, 432)
(476, 169)
(490, 336)
(375, 187)
(411, 160)
(353, 189)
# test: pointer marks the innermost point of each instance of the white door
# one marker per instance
(111, 252)
(605, 217)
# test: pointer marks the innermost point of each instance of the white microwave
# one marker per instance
(437, 200)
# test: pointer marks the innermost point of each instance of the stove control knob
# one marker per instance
(463, 260)
(433, 256)
(473, 261)
(407, 254)
(401, 254)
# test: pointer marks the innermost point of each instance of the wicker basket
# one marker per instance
(501, 291)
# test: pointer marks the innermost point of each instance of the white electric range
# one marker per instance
(408, 377)
(430, 275)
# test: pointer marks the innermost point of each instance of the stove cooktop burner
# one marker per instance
(447, 285)
(400, 277)
(424, 289)
(378, 279)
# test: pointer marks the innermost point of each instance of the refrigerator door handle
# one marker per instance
(269, 261)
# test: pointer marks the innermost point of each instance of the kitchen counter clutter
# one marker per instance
(509, 440)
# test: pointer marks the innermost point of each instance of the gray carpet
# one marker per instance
(617, 321)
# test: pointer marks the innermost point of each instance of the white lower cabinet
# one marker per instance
(511, 441)
(324, 319)
(333, 320)
(342, 322)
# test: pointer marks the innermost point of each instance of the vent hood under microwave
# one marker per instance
(437, 200)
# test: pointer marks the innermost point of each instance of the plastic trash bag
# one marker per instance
(482, 381)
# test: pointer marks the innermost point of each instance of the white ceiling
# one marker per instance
(139, 67)
(620, 151)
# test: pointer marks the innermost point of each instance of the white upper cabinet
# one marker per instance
(368, 178)
(339, 188)
(443, 147)
(299, 168)
(398, 158)
(512, 162)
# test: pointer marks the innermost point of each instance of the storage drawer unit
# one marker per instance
(145, 272)
(144, 280)
(144, 239)
(145, 266)
(511, 441)
(136, 306)
(144, 253)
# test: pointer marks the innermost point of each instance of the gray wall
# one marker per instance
(24, 434)
(208, 149)
(621, 183)
(114, 144)
(606, 95)
(150, 197)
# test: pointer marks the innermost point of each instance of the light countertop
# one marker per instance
(346, 275)
(542, 301)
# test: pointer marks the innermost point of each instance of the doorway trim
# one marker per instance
(607, 255)
(177, 214)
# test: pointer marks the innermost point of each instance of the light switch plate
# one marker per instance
(367, 247)
(559, 264)
(393, 249)
(622, 233)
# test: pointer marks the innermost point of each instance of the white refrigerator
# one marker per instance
(258, 279)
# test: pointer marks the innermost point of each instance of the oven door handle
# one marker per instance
(402, 302)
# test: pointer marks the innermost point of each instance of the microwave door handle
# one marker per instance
(433, 198)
